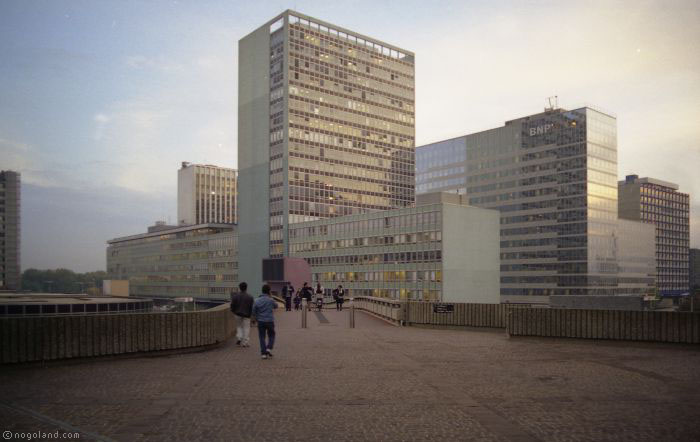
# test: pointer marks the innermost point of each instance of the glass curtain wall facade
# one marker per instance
(339, 130)
(553, 177)
(660, 203)
(198, 261)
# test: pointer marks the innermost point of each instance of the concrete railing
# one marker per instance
(679, 327)
(384, 308)
(27, 339)
(520, 320)
(429, 313)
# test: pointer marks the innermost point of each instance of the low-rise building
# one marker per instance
(442, 250)
(192, 261)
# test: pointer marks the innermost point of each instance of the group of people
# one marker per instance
(306, 292)
(245, 307)
(262, 309)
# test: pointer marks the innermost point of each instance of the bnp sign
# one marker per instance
(541, 130)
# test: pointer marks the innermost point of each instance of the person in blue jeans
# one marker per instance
(263, 312)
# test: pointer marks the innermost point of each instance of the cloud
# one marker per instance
(82, 220)
(101, 121)
(160, 63)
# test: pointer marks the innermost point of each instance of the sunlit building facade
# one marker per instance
(326, 128)
(206, 194)
(553, 177)
(198, 261)
(658, 202)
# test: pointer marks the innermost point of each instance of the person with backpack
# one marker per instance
(242, 308)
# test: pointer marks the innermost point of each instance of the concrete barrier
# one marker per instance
(521, 320)
(28, 339)
(681, 327)
(419, 312)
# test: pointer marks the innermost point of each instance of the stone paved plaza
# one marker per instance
(376, 382)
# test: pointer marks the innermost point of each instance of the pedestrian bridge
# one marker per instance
(376, 381)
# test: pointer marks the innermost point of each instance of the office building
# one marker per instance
(439, 250)
(10, 231)
(198, 261)
(325, 129)
(694, 269)
(553, 177)
(206, 194)
(657, 202)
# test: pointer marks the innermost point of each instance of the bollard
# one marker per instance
(303, 313)
(352, 314)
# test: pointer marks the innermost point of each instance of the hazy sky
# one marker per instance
(101, 101)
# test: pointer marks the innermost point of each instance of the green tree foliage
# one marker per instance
(61, 280)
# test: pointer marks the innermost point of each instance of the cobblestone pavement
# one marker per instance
(374, 382)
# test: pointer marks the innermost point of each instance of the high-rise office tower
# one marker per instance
(553, 176)
(660, 203)
(10, 270)
(694, 269)
(325, 128)
(206, 194)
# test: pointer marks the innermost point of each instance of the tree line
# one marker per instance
(62, 281)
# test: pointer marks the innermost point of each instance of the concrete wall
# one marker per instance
(28, 339)
(678, 327)
(115, 287)
(186, 182)
(470, 254)
(253, 155)
(423, 313)
(605, 324)
(628, 200)
(597, 302)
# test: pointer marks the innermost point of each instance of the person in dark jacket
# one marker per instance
(287, 293)
(242, 308)
(339, 298)
(263, 310)
(307, 293)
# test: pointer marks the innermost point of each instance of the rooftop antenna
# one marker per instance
(552, 103)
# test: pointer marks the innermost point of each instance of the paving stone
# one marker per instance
(374, 382)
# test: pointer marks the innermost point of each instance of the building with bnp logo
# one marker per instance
(553, 177)
(10, 231)
(658, 202)
(206, 194)
(325, 129)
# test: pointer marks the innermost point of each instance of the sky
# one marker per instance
(101, 101)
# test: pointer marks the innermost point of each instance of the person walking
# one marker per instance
(319, 296)
(306, 293)
(297, 300)
(242, 308)
(339, 298)
(263, 311)
(287, 295)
